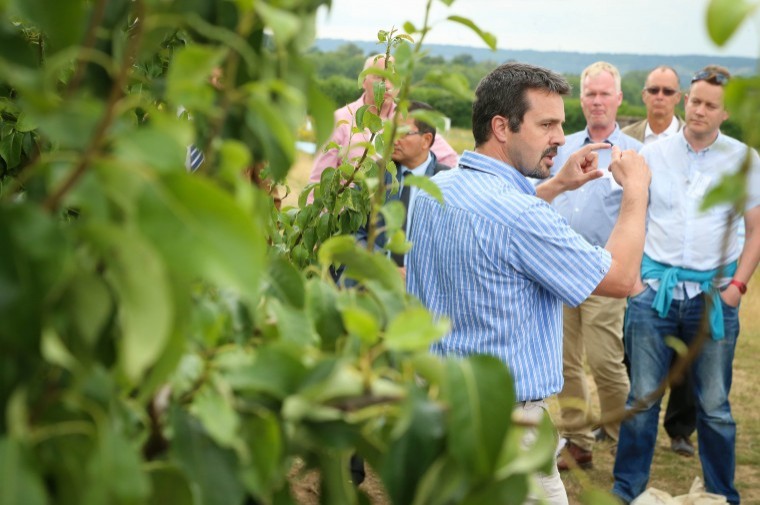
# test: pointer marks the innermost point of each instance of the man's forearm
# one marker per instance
(626, 245)
(550, 189)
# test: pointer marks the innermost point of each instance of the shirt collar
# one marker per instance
(670, 130)
(420, 169)
(482, 163)
(716, 143)
(612, 138)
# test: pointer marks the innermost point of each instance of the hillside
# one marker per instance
(571, 62)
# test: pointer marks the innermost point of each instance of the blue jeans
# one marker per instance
(711, 373)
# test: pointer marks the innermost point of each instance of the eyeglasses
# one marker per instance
(655, 90)
(711, 77)
(411, 133)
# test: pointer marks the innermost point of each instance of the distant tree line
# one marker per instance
(337, 72)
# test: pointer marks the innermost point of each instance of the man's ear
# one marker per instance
(500, 128)
(428, 139)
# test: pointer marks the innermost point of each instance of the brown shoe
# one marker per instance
(582, 457)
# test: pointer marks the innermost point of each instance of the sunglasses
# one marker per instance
(711, 77)
(655, 90)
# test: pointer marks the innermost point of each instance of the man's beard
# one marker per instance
(539, 171)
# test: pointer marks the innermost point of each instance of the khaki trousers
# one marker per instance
(594, 329)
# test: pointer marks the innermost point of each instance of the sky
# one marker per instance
(667, 27)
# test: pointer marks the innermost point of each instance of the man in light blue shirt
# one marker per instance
(690, 266)
(497, 259)
(594, 329)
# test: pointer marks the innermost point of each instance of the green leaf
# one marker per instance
(488, 38)
(730, 189)
(425, 184)
(212, 238)
(21, 484)
(161, 145)
(409, 27)
(361, 323)
(372, 122)
(321, 303)
(275, 369)
(212, 470)
(321, 108)
(277, 137)
(293, 324)
(480, 395)
(414, 330)
(394, 214)
(286, 282)
(71, 125)
(90, 304)
(140, 282)
(234, 157)
(10, 149)
(217, 415)
(417, 441)
(266, 442)
(284, 25)
(510, 491)
(331, 379)
(187, 83)
(55, 352)
(362, 265)
(116, 467)
(537, 457)
(725, 16)
(168, 485)
(63, 23)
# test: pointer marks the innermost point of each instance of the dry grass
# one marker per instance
(670, 472)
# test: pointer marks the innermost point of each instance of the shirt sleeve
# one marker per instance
(753, 182)
(549, 252)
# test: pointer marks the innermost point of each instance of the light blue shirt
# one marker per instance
(592, 210)
(499, 262)
(678, 233)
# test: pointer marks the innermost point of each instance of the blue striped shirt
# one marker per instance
(499, 262)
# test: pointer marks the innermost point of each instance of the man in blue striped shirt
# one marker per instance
(497, 259)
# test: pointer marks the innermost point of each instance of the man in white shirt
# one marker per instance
(661, 95)
(692, 263)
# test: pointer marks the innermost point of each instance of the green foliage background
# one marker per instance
(172, 337)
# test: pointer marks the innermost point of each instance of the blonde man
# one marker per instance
(594, 329)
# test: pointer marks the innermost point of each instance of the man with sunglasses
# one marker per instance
(661, 95)
(685, 272)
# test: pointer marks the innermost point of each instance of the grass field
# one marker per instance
(670, 472)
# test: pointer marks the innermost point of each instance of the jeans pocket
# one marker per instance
(639, 295)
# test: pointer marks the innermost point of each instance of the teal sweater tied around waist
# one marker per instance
(670, 276)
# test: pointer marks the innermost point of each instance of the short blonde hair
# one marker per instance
(597, 68)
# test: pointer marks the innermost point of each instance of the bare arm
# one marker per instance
(749, 258)
(581, 167)
(626, 242)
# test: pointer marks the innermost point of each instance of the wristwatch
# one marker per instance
(739, 285)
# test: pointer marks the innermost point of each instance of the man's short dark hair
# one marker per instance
(502, 93)
(418, 123)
